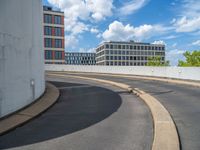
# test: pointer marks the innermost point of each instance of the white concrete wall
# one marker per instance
(21, 54)
(191, 73)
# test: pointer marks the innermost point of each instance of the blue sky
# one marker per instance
(175, 23)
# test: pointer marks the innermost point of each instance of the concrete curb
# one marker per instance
(168, 80)
(165, 133)
(47, 100)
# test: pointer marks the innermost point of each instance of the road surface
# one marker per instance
(182, 101)
(87, 116)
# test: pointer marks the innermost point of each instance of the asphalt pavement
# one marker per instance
(87, 116)
(183, 103)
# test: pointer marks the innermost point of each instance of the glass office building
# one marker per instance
(128, 53)
(76, 58)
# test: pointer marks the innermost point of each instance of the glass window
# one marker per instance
(47, 30)
(58, 55)
(58, 31)
(111, 46)
(48, 54)
(131, 47)
(123, 46)
(47, 18)
(58, 43)
(48, 42)
(119, 46)
(107, 46)
(57, 19)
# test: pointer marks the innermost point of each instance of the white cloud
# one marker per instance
(70, 41)
(118, 31)
(185, 24)
(90, 50)
(94, 30)
(174, 55)
(196, 43)
(189, 17)
(100, 8)
(170, 37)
(78, 12)
(159, 42)
(132, 6)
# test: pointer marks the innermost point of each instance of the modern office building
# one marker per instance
(76, 58)
(127, 53)
(54, 38)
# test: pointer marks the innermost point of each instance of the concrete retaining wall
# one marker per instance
(21, 54)
(191, 73)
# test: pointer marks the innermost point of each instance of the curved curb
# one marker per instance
(46, 101)
(165, 133)
(167, 80)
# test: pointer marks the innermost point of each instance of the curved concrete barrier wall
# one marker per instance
(190, 73)
(21, 54)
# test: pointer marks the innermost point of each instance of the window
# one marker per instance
(111, 46)
(47, 18)
(58, 55)
(119, 46)
(47, 30)
(58, 43)
(123, 46)
(58, 31)
(48, 54)
(57, 19)
(131, 47)
(107, 46)
(48, 42)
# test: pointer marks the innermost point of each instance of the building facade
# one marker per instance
(128, 53)
(54, 38)
(76, 58)
(22, 78)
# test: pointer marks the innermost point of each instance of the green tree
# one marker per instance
(157, 61)
(192, 59)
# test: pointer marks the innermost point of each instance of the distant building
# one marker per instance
(76, 58)
(127, 53)
(54, 49)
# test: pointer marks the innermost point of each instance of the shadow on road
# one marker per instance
(78, 107)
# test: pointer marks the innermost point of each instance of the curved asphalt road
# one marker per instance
(87, 116)
(183, 103)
